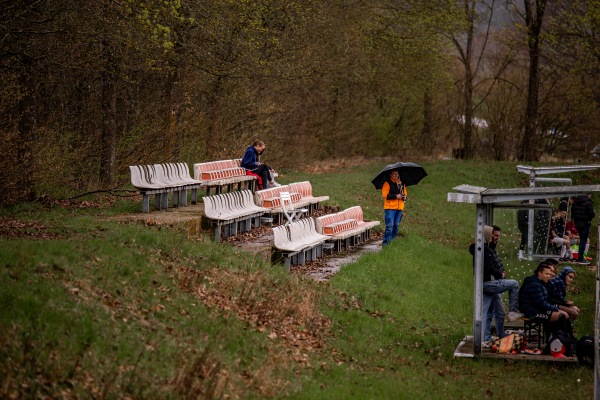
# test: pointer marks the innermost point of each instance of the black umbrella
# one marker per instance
(410, 174)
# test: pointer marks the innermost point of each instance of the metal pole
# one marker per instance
(597, 322)
(530, 221)
(478, 278)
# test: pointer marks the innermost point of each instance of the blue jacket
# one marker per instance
(533, 297)
(557, 287)
(250, 159)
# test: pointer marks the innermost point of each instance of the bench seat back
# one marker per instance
(142, 179)
(297, 236)
(348, 220)
(354, 212)
(329, 219)
(221, 169)
(232, 205)
(271, 197)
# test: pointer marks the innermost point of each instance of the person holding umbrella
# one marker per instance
(394, 195)
(392, 180)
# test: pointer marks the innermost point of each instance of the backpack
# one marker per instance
(561, 344)
(585, 350)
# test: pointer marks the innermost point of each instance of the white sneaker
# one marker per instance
(513, 316)
(274, 184)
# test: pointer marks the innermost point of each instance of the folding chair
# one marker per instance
(289, 211)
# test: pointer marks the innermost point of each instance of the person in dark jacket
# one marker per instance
(557, 291)
(534, 302)
(582, 213)
(251, 161)
(494, 284)
(523, 225)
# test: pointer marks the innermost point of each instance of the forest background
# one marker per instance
(90, 87)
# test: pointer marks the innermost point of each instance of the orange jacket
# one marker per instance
(395, 204)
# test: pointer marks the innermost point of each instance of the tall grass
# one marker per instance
(91, 306)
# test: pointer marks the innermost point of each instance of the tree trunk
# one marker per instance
(534, 16)
(109, 118)
(213, 139)
(427, 131)
(26, 118)
(467, 56)
(173, 118)
(468, 113)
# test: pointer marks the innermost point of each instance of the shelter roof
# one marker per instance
(481, 195)
(555, 170)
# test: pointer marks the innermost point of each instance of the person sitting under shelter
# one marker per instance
(494, 284)
(534, 302)
(557, 291)
(251, 161)
(558, 235)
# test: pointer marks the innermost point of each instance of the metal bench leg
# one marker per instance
(218, 233)
(164, 201)
(287, 262)
(157, 202)
(176, 196)
(194, 196)
(302, 257)
(229, 229)
(145, 202)
(183, 197)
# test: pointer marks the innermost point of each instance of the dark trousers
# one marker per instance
(263, 171)
(584, 234)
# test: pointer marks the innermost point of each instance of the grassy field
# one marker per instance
(94, 307)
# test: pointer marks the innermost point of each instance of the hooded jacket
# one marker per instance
(493, 268)
(250, 158)
(533, 297)
(557, 287)
(582, 210)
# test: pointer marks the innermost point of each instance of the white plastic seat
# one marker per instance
(139, 180)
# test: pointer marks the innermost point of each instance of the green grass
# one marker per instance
(91, 306)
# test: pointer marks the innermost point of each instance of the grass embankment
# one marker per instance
(94, 307)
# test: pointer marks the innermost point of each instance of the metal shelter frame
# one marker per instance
(533, 173)
(485, 201)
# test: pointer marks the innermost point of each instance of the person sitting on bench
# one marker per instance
(558, 235)
(557, 291)
(251, 161)
(494, 284)
(534, 302)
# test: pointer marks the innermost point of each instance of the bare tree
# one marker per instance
(472, 46)
(533, 16)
